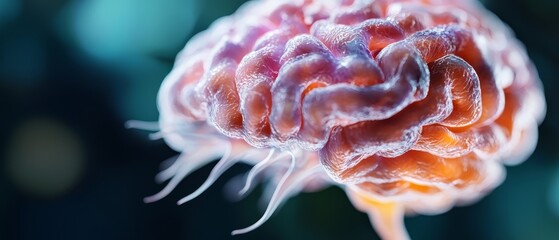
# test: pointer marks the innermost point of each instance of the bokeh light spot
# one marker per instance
(44, 158)
(111, 29)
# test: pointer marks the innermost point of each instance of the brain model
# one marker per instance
(411, 106)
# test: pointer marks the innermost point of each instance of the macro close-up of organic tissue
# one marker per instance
(409, 106)
(279, 119)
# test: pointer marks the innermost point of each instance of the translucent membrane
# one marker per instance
(410, 105)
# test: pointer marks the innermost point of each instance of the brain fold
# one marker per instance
(418, 102)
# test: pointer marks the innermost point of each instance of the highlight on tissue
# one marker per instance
(410, 106)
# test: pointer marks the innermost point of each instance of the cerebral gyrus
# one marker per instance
(410, 106)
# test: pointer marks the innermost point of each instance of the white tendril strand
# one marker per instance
(293, 181)
(255, 170)
(172, 168)
(180, 174)
(272, 179)
(183, 166)
(161, 134)
(168, 168)
(242, 157)
(279, 195)
(224, 163)
(183, 130)
(142, 125)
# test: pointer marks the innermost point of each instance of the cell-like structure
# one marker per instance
(410, 106)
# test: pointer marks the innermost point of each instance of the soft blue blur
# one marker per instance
(133, 36)
(9, 9)
(121, 29)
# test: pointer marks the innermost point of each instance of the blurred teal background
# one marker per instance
(73, 71)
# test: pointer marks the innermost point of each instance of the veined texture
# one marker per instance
(409, 105)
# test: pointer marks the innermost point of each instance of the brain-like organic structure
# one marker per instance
(409, 105)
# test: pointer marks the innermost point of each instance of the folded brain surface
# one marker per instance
(409, 105)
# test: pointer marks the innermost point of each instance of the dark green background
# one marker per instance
(73, 71)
